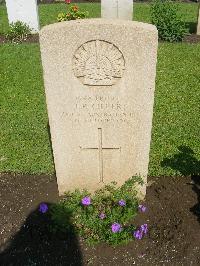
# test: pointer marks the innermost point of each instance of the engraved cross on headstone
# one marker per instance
(100, 149)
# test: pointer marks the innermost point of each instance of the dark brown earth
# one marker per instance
(193, 38)
(32, 38)
(173, 217)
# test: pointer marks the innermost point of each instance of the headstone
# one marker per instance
(122, 9)
(198, 23)
(99, 80)
(25, 11)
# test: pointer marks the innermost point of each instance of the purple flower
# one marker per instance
(138, 234)
(144, 228)
(43, 207)
(86, 201)
(142, 208)
(102, 216)
(122, 203)
(116, 227)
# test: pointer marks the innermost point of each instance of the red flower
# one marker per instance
(75, 8)
(67, 1)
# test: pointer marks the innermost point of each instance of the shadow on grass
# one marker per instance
(188, 165)
(192, 26)
(34, 244)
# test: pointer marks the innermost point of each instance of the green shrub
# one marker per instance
(72, 14)
(18, 32)
(96, 217)
(164, 15)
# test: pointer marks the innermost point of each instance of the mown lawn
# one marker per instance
(25, 145)
(24, 136)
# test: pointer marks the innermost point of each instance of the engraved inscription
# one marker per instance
(99, 109)
(98, 63)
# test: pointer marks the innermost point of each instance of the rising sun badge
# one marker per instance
(98, 63)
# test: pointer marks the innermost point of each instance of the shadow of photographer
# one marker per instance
(36, 244)
(188, 165)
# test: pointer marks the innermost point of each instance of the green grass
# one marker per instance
(176, 111)
(3, 19)
(24, 137)
(48, 13)
(25, 145)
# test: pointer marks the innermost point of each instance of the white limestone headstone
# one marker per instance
(99, 99)
(122, 9)
(25, 11)
(198, 23)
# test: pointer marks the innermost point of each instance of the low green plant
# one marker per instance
(165, 16)
(18, 32)
(72, 14)
(105, 216)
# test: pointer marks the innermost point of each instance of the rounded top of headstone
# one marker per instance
(99, 21)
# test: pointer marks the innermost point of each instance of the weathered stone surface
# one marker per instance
(122, 9)
(198, 23)
(99, 81)
(25, 11)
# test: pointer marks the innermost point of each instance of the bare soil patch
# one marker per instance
(173, 216)
(193, 38)
(32, 38)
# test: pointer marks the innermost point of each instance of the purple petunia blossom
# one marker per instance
(122, 203)
(144, 228)
(116, 227)
(142, 208)
(86, 201)
(43, 207)
(138, 234)
(102, 216)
